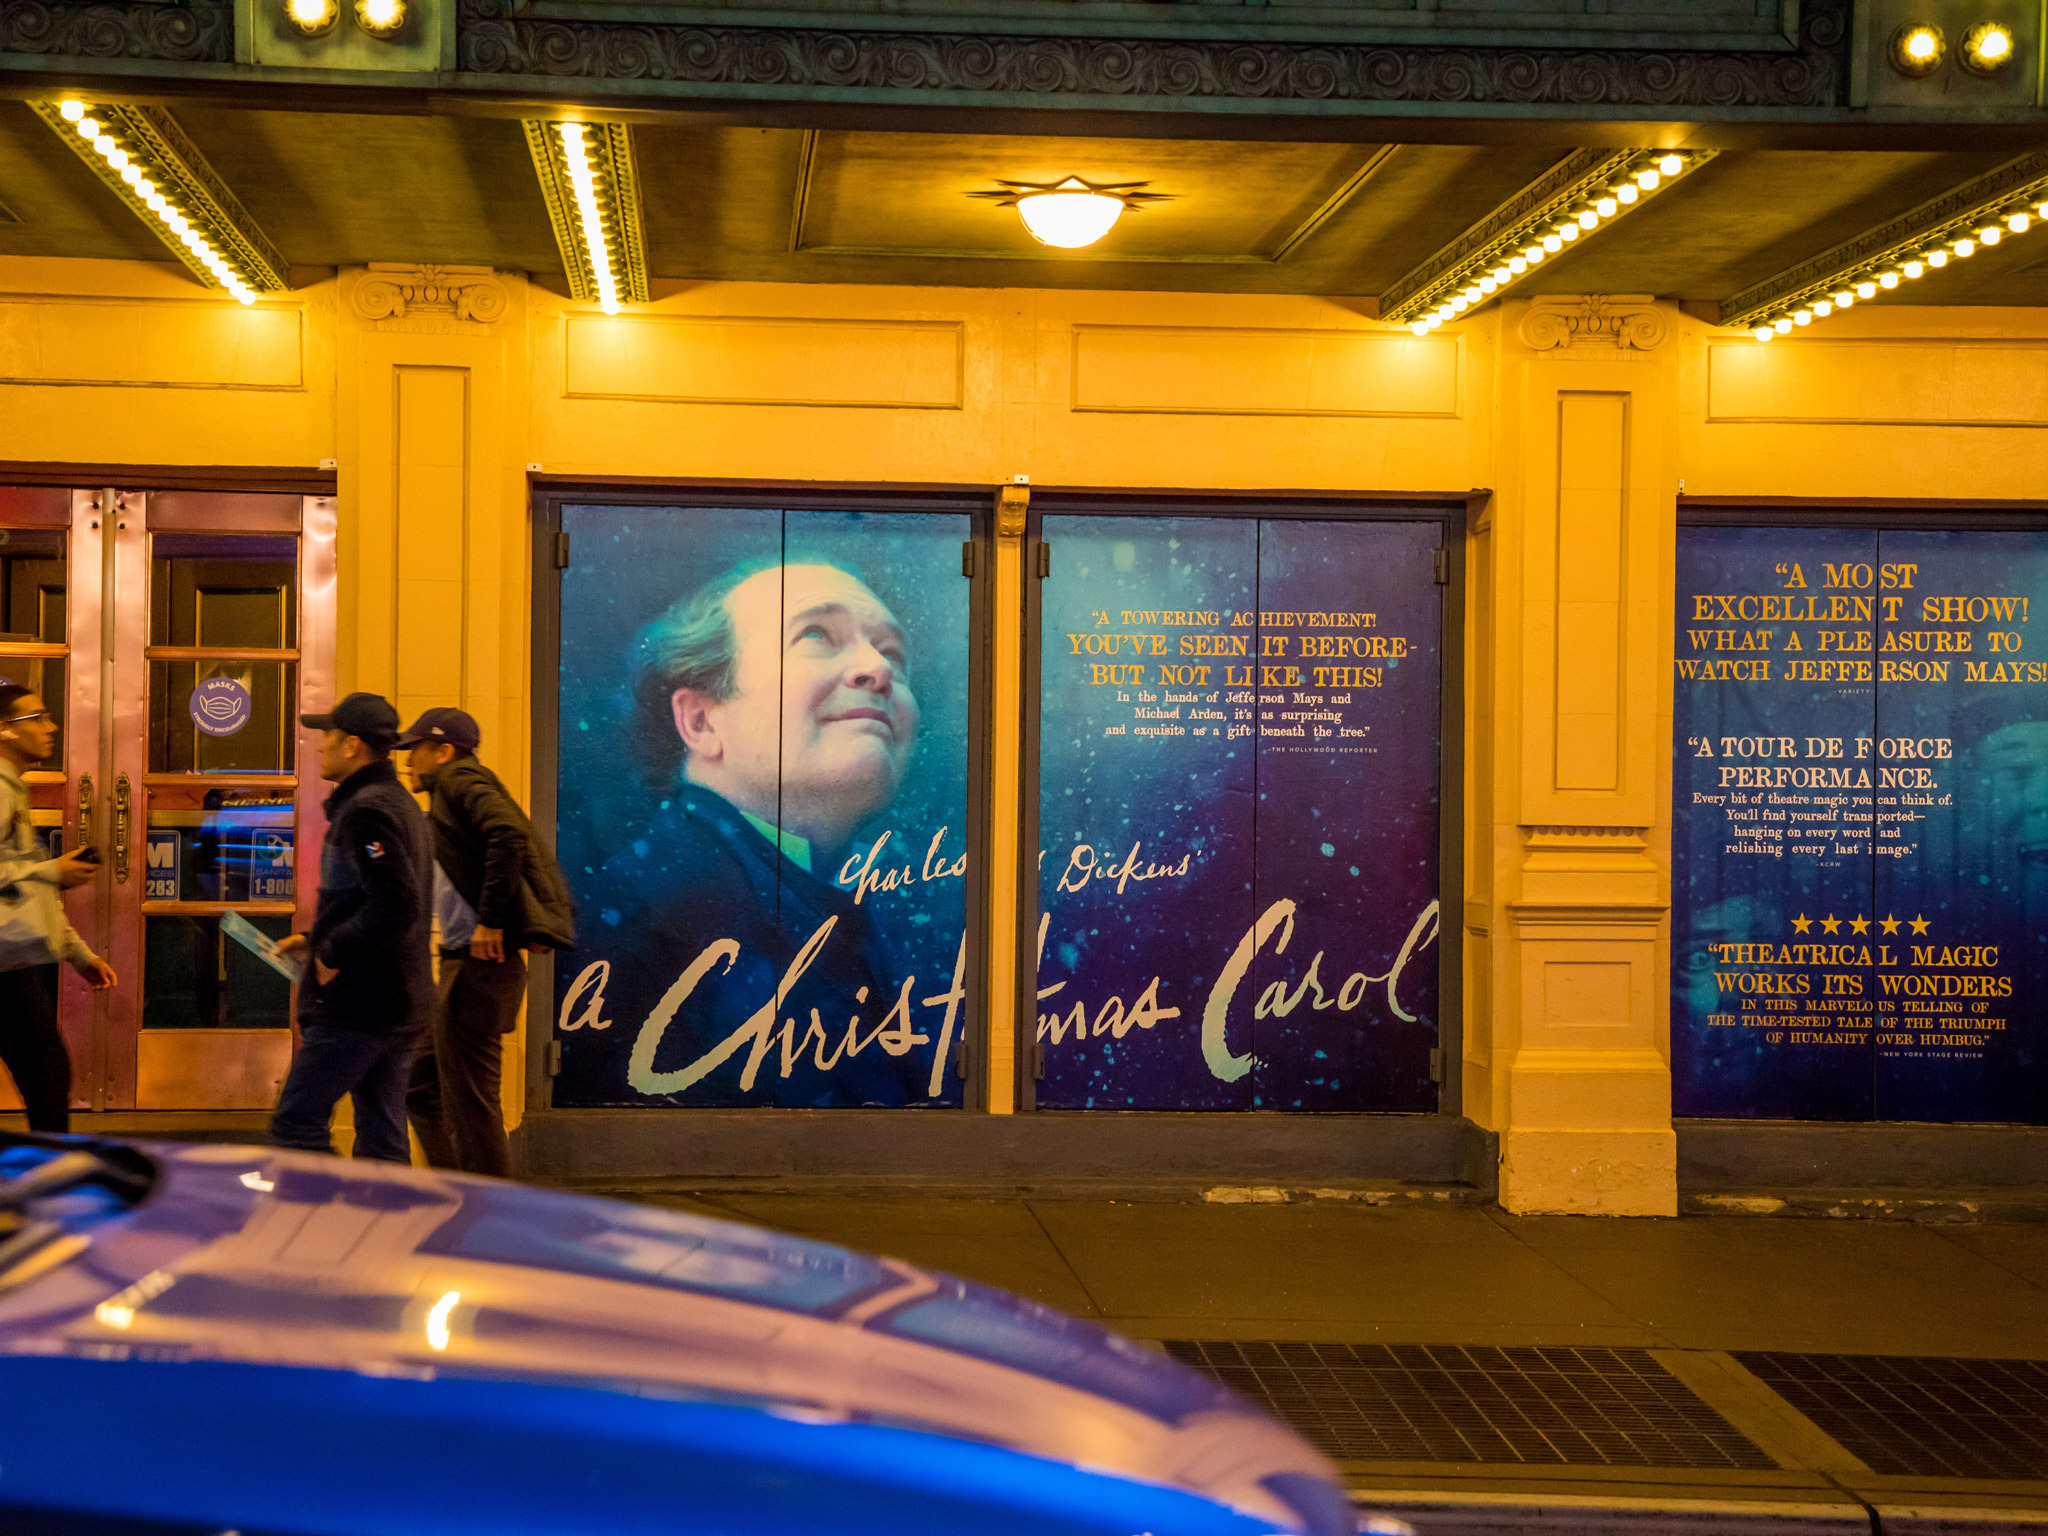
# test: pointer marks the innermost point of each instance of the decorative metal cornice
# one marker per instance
(1959, 211)
(192, 31)
(153, 140)
(1554, 197)
(611, 154)
(494, 37)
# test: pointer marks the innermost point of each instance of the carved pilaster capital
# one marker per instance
(400, 291)
(1608, 321)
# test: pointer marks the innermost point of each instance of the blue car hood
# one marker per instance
(257, 1257)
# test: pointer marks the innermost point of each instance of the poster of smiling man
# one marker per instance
(763, 806)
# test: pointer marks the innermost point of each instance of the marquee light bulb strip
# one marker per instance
(1583, 193)
(589, 181)
(145, 157)
(2000, 205)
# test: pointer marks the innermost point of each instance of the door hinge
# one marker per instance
(562, 550)
(1044, 559)
(554, 1058)
(1436, 1064)
(1443, 567)
(1037, 1060)
(960, 1060)
(967, 560)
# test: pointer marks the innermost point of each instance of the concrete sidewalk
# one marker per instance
(1692, 1292)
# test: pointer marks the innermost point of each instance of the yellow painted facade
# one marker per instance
(437, 399)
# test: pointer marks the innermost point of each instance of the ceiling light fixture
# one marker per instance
(1987, 48)
(589, 216)
(382, 19)
(1917, 49)
(1072, 213)
(2003, 204)
(591, 187)
(144, 157)
(1579, 196)
(312, 18)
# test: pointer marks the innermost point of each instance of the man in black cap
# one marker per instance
(370, 986)
(497, 893)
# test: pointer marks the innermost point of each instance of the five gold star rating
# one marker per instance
(1858, 924)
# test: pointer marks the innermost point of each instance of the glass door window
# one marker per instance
(36, 651)
(34, 641)
(218, 745)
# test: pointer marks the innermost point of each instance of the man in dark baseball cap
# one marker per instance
(452, 726)
(368, 717)
(497, 893)
(369, 983)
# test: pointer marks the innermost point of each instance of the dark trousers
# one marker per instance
(368, 1067)
(454, 1102)
(32, 1047)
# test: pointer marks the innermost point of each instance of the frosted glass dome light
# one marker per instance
(1070, 216)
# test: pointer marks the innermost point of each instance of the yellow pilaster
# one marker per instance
(1006, 720)
(433, 538)
(1569, 1055)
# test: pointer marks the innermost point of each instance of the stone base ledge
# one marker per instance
(963, 1149)
(1589, 1173)
(1775, 1157)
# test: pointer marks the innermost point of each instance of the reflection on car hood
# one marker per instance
(254, 1256)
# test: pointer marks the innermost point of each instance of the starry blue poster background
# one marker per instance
(1963, 848)
(1743, 871)
(1860, 846)
(1238, 814)
(628, 564)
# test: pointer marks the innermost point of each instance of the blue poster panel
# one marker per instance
(1238, 817)
(1860, 848)
(1147, 753)
(1773, 944)
(1962, 828)
(1343, 1009)
(762, 806)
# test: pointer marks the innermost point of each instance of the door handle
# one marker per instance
(121, 830)
(85, 810)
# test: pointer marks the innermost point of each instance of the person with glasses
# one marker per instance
(35, 935)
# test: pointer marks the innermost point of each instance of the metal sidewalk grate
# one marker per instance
(1921, 1415)
(1436, 1402)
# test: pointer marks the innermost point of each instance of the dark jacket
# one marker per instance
(374, 921)
(494, 859)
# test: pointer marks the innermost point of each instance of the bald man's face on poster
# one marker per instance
(822, 719)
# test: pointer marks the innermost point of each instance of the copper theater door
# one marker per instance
(175, 634)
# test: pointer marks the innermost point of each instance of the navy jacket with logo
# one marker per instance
(374, 920)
